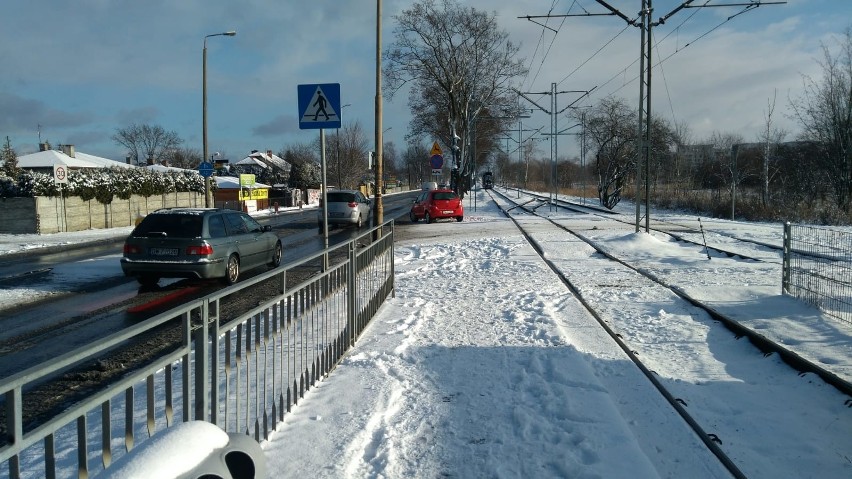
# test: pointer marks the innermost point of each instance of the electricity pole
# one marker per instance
(645, 67)
(554, 193)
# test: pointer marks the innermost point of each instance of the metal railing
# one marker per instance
(243, 376)
(817, 268)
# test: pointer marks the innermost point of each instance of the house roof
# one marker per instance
(163, 168)
(264, 160)
(49, 158)
(233, 183)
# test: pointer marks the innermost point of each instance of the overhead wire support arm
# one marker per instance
(585, 93)
(748, 7)
(617, 13)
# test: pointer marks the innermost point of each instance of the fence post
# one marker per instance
(785, 261)
(351, 297)
(202, 365)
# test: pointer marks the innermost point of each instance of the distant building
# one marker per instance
(267, 165)
(44, 160)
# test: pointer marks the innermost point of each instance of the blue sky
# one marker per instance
(82, 69)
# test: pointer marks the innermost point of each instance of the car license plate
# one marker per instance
(164, 251)
(447, 212)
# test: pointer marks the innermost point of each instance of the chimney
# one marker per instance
(43, 147)
(68, 150)
(269, 154)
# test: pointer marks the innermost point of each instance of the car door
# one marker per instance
(241, 239)
(257, 244)
(418, 208)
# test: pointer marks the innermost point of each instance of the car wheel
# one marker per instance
(360, 222)
(232, 270)
(459, 218)
(148, 280)
(428, 217)
(412, 216)
(276, 256)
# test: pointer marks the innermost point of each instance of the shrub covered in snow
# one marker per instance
(103, 184)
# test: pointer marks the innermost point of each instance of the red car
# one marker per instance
(435, 204)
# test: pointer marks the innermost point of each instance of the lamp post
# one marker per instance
(378, 208)
(207, 195)
(339, 180)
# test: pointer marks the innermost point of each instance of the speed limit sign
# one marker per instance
(60, 174)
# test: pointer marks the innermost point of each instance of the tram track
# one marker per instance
(760, 250)
(521, 212)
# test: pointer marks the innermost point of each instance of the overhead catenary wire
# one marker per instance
(662, 60)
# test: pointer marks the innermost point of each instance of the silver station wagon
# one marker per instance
(198, 243)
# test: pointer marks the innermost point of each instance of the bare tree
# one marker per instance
(188, 158)
(350, 167)
(147, 142)
(414, 159)
(771, 137)
(611, 135)
(459, 62)
(390, 159)
(825, 113)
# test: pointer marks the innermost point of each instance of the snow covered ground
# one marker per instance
(485, 365)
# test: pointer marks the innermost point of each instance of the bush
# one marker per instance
(103, 184)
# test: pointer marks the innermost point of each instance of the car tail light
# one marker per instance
(352, 204)
(131, 249)
(199, 250)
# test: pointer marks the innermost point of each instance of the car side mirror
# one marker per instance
(267, 227)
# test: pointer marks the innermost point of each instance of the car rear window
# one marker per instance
(170, 225)
(448, 195)
(339, 197)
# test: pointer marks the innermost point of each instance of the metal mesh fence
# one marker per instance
(818, 268)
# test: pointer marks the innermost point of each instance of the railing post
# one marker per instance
(392, 259)
(202, 365)
(14, 426)
(351, 296)
(215, 364)
(785, 261)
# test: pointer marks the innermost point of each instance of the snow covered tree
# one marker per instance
(10, 160)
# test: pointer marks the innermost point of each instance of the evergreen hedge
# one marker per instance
(103, 184)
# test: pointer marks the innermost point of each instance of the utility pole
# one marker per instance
(554, 193)
(644, 130)
(473, 142)
(379, 214)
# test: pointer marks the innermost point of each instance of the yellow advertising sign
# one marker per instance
(255, 194)
(436, 150)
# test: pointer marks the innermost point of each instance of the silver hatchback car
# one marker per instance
(346, 207)
(198, 243)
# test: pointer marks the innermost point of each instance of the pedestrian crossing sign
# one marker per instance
(319, 106)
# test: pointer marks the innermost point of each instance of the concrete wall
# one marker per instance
(44, 215)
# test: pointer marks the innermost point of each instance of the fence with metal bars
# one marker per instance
(243, 376)
(817, 268)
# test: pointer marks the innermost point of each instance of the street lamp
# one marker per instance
(207, 195)
(339, 180)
